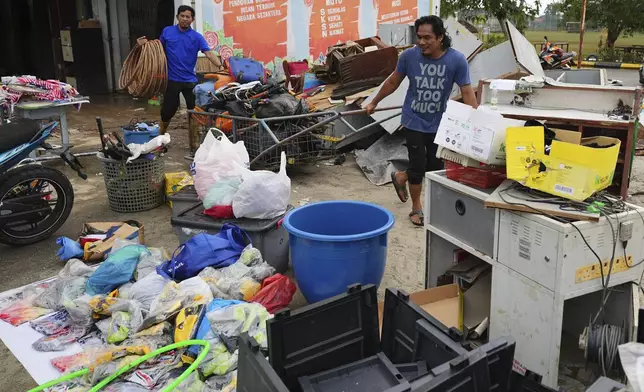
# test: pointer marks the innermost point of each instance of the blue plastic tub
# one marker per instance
(139, 137)
(335, 244)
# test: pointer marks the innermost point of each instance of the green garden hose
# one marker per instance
(171, 387)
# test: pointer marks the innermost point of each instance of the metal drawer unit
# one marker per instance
(456, 213)
(538, 266)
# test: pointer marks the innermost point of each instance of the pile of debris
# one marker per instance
(140, 300)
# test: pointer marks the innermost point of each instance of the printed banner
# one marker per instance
(273, 30)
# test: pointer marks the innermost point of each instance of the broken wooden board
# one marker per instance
(525, 52)
(395, 99)
(462, 39)
(320, 101)
(514, 200)
(491, 64)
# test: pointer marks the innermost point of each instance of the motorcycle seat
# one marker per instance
(17, 133)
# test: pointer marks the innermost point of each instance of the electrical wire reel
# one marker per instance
(600, 343)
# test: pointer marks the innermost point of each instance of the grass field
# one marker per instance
(591, 39)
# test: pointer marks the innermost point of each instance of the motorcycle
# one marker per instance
(553, 57)
(35, 200)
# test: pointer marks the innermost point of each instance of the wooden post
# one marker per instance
(582, 27)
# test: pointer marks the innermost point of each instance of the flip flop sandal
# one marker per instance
(399, 188)
(420, 215)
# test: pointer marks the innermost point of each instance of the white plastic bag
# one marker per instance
(218, 158)
(146, 148)
(146, 290)
(263, 194)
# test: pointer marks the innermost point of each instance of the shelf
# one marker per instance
(469, 249)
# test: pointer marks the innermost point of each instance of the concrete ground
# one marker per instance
(20, 266)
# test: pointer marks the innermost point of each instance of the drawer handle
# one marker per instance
(460, 207)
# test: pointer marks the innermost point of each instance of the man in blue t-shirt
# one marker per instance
(182, 45)
(432, 68)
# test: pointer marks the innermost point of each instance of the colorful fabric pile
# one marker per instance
(17, 89)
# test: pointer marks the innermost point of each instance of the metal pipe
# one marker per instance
(270, 133)
(582, 27)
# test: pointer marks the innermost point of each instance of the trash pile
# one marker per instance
(213, 288)
(229, 189)
(250, 95)
(141, 140)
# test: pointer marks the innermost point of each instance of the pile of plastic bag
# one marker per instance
(139, 300)
(229, 189)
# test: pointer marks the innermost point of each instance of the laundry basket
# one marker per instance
(135, 186)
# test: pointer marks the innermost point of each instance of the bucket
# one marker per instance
(335, 244)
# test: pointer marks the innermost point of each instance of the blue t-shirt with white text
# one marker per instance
(181, 50)
(430, 85)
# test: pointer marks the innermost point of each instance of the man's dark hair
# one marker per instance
(184, 8)
(438, 27)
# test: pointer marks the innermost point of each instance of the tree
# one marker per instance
(617, 16)
(517, 11)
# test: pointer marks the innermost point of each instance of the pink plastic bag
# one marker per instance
(276, 293)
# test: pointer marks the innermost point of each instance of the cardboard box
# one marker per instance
(478, 134)
(572, 171)
(445, 303)
(95, 251)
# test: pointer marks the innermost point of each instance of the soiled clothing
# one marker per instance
(422, 155)
(430, 85)
(181, 50)
(171, 98)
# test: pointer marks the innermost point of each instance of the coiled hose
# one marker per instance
(145, 70)
(603, 340)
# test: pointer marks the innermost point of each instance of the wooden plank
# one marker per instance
(504, 199)
(363, 94)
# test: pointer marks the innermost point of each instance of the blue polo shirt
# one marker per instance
(181, 49)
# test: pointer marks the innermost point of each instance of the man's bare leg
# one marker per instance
(415, 191)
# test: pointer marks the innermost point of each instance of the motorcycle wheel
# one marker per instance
(29, 180)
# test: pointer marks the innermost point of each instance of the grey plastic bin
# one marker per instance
(267, 235)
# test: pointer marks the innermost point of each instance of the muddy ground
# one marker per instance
(20, 266)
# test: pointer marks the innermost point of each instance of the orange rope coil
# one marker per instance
(145, 70)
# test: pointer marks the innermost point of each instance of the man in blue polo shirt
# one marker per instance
(182, 45)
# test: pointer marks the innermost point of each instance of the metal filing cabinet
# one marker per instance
(538, 266)
(457, 210)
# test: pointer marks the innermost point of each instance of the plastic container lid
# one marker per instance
(194, 218)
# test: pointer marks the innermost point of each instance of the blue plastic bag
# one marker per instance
(203, 93)
(116, 270)
(205, 250)
(69, 249)
(204, 324)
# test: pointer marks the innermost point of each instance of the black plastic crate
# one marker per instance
(399, 329)
(255, 373)
(432, 345)
(466, 373)
(324, 335)
(500, 355)
(412, 371)
(373, 374)
(530, 382)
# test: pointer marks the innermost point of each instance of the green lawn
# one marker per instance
(591, 39)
